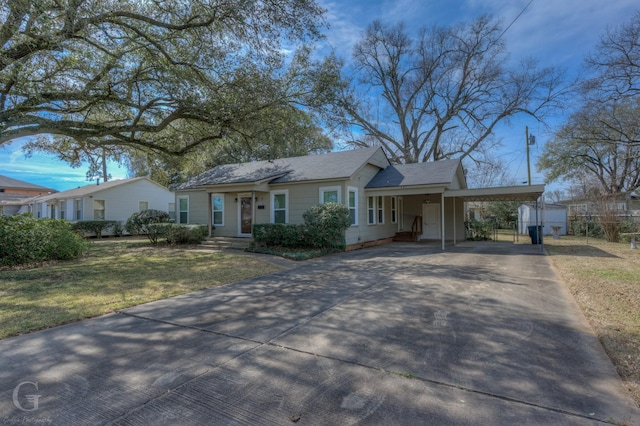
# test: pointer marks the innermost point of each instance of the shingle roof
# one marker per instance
(333, 165)
(7, 182)
(88, 189)
(416, 174)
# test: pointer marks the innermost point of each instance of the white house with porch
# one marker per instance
(423, 201)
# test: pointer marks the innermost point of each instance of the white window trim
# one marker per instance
(354, 190)
(178, 198)
(286, 205)
(324, 189)
(62, 209)
(380, 209)
(103, 210)
(76, 209)
(213, 222)
(374, 208)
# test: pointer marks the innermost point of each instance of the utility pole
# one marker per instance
(529, 140)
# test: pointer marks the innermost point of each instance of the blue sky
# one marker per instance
(556, 32)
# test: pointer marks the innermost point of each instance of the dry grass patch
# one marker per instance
(604, 278)
(114, 274)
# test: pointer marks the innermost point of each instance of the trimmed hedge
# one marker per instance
(97, 227)
(323, 229)
(25, 240)
(176, 234)
(280, 235)
(138, 223)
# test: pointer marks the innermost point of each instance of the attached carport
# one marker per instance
(529, 193)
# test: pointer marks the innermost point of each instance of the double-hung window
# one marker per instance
(280, 206)
(217, 209)
(380, 210)
(143, 205)
(371, 210)
(183, 209)
(77, 207)
(352, 199)
(63, 213)
(98, 209)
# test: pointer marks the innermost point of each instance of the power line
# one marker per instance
(515, 19)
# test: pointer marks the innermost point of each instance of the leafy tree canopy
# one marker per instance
(600, 142)
(154, 74)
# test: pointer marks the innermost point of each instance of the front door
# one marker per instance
(431, 222)
(246, 215)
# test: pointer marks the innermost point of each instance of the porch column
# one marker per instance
(442, 218)
(210, 209)
(454, 221)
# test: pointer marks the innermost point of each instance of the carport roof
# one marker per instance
(501, 193)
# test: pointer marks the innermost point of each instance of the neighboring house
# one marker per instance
(15, 195)
(425, 200)
(624, 205)
(548, 215)
(113, 200)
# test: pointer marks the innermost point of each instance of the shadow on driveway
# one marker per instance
(395, 334)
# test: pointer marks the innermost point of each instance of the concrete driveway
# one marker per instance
(396, 334)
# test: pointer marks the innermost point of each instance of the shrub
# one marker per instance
(325, 225)
(24, 239)
(138, 223)
(279, 235)
(97, 227)
(180, 234)
(323, 229)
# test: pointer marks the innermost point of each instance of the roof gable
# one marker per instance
(83, 191)
(333, 165)
(7, 182)
(416, 174)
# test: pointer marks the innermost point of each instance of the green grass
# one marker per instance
(604, 278)
(114, 274)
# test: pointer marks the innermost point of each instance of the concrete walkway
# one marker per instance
(396, 334)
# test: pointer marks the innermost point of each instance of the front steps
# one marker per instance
(405, 237)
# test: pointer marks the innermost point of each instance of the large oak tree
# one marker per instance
(128, 74)
(442, 93)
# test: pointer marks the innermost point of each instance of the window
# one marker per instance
(63, 213)
(53, 211)
(98, 209)
(183, 209)
(353, 205)
(172, 212)
(77, 207)
(380, 210)
(280, 204)
(394, 210)
(143, 205)
(371, 210)
(330, 194)
(217, 209)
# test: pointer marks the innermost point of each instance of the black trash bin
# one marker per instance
(535, 232)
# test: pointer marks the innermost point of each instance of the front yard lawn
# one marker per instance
(604, 278)
(115, 273)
